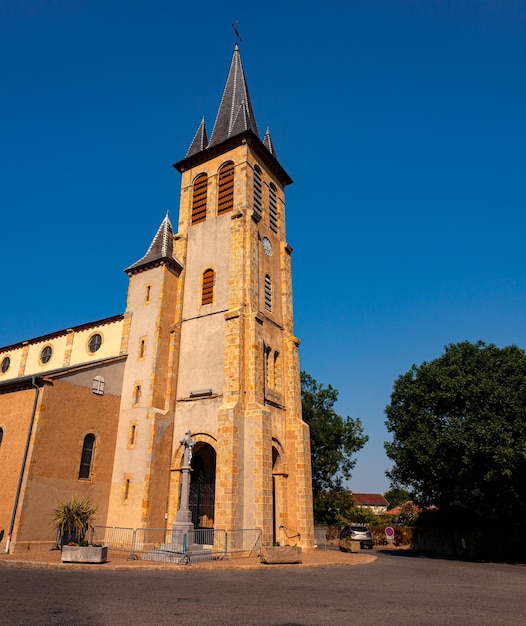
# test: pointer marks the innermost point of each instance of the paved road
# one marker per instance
(396, 589)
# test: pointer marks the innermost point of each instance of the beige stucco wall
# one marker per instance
(69, 349)
(15, 356)
(111, 341)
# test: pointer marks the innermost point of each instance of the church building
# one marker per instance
(205, 345)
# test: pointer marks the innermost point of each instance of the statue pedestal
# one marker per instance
(183, 535)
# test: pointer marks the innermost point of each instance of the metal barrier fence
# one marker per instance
(115, 537)
(173, 545)
(320, 537)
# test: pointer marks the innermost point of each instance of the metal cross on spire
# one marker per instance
(236, 30)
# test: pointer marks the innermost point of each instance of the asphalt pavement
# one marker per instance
(399, 587)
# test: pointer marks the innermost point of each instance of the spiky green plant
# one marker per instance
(74, 518)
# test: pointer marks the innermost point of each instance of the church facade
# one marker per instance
(206, 344)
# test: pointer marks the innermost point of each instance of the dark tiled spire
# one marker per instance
(234, 123)
(235, 113)
(161, 249)
(267, 142)
(200, 141)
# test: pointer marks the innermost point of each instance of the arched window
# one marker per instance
(86, 459)
(277, 371)
(6, 362)
(268, 368)
(272, 208)
(207, 294)
(199, 199)
(225, 194)
(268, 293)
(258, 198)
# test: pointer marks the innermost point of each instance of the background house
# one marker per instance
(373, 501)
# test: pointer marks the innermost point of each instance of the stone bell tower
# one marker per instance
(211, 347)
(238, 382)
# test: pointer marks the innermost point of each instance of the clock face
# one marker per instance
(267, 246)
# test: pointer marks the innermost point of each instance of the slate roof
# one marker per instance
(235, 123)
(267, 142)
(200, 141)
(161, 249)
(235, 113)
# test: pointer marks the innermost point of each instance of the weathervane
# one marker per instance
(236, 30)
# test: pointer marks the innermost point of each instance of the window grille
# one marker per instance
(199, 199)
(45, 355)
(95, 343)
(225, 201)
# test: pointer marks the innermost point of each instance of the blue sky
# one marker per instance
(402, 123)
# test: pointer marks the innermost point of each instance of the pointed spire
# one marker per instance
(267, 142)
(235, 114)
(235, 119)
(200, 141)
(161, 249)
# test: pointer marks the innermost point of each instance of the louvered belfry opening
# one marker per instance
(225, 200)
(258, 200)
(199, 199)
(272, 208)
(207, 296)
(268, 293)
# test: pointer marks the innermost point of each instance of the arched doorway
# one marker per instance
(202, 486)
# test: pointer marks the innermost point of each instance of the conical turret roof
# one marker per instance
(235, 114)
(200, 141)
(267, 142)
(160, 250)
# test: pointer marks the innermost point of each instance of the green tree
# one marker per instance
(334, 508)
(334, 439)
(458, 427)
(408, 515)
(396, 497)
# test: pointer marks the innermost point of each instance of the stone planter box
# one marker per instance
(84, 554)
(276, 555)
(349, 545)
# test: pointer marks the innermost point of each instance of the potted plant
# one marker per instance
(73, 521)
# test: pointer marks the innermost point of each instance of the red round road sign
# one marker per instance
(390, 532)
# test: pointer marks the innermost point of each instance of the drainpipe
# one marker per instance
(23, 468)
